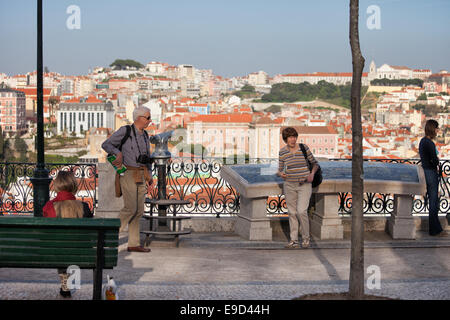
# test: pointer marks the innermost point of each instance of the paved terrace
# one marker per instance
(224, 266)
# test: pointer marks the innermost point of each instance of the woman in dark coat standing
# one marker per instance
(430, 164)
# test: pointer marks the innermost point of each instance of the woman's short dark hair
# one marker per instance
(430, 127)
(288, 132)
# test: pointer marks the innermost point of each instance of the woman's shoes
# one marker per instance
(442, 234)
(65, 294)
(305, 244)
(292, 245)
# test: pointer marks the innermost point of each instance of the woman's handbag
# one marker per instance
(318, 175)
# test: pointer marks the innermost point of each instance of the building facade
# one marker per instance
(79, 115)
(321, 140)
(12, 112)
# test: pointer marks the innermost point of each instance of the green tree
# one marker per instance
(248, 88)
(195, 149)
(124, 63)
(423, 96)
(21, 147)
(396, 82)
(6, 154)
(247, 91)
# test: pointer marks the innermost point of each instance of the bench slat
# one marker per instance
(54, 236)
(61, 265)
(56, 244)
(53, 259)
(39, 222)
(46, 230)
(109, 262)
(56, 252)
(42, 265)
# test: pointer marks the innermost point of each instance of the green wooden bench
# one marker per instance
(34, 242)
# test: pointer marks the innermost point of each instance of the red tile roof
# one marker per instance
(221, 118)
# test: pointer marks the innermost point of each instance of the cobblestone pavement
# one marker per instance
(225, 267)
(421, 289)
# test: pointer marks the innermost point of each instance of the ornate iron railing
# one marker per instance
(16, 190)
(198, 181)
(379, 203)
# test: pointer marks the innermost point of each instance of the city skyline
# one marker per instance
(231, 38)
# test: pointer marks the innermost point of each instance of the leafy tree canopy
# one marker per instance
(396, 82)
(123, 64)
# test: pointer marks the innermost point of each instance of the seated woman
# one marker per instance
(65, 205)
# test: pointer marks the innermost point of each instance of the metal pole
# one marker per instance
(162, 185)
(40, 180)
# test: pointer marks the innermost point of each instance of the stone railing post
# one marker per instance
(252, 222)
(108, 205)
(325, 221)
(401, 223)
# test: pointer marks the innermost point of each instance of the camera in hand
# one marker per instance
(144, 159)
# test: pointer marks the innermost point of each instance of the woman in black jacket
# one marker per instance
(430, 164)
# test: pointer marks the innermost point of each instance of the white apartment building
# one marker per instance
(264, 139)
(337, 78)
(82, 86)
(394, 72)
(156, 68)
(258, 78)
(186, 71)
(78, 116)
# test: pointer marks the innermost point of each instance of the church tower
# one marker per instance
(372, 71)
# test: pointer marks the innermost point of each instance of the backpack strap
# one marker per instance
(302, 147)
(125, 137)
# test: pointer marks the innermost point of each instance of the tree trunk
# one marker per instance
(356, 284)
